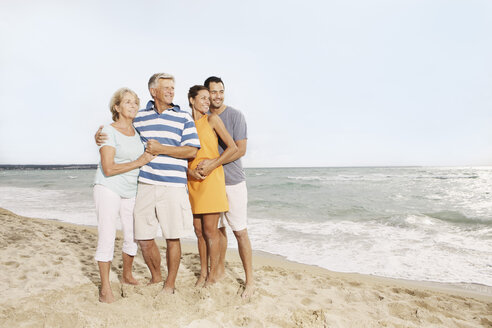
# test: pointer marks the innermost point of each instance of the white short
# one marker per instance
(110, 206)
(166, 206)
(237, 216)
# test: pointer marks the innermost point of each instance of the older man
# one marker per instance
(162, 198)
(235, 179)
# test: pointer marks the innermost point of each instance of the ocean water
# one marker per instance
(420, 223)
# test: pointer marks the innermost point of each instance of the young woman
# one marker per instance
(206, 183)
(115, 187)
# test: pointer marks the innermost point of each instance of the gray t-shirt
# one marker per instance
(235, 124)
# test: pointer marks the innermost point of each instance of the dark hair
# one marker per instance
(213, 79)
(193, 92)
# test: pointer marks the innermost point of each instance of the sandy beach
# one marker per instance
(49, 279)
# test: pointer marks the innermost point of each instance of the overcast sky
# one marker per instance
(321, 83)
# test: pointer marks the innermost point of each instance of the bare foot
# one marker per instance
(151, 281)
(248, 291)
(106, 296)
(168, 290)
(209, 282)
(220, 275)
(200, 281)
(129, 280)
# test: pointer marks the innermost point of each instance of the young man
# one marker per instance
(235, 179)
(162, 198)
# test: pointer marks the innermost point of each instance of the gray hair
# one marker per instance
(154, 79)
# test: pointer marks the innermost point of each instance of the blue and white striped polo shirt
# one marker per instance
(173, 127)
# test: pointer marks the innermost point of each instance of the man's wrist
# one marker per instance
(161, 150)
(215, 163)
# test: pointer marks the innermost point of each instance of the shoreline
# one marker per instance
(189, 245)
(50, 278)
(465, 289)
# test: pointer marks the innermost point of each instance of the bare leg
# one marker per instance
(173, 258)
(105, 294)
(209, 222)
(202, 250)
(223, 250)
(127, 270)
(152, 258)
(245, 252)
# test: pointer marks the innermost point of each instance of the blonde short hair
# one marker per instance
(116, 101)
(154, 79)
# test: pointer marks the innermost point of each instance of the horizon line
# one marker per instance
(92, 166)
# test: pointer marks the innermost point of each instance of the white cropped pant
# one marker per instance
(110, 206)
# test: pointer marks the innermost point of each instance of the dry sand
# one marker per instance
(49, 279)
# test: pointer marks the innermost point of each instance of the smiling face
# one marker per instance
(164, 91)
(216, 94)
(201, 102)
(128, 106)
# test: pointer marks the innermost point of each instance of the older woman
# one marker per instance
(115, 187)
(207, 188)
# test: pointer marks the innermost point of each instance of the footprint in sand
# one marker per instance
(140, 271)
(15, 238)
(377, 297)
(306, 301)
(128, 290)
(297, 276)
(243, 321)
(309, 318)
(403, 311)
(355, 284)
(312, 292)
(267, 268)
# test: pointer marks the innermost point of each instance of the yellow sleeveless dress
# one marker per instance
(208, 195)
